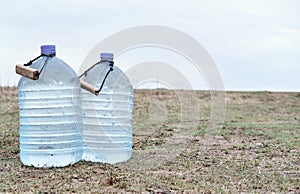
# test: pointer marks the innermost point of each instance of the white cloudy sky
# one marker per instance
(255, 43)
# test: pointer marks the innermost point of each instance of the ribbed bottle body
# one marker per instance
(50, 120)
(107, 118)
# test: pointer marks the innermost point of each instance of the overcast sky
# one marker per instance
(254, 43)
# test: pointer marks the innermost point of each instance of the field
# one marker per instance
(256, 149)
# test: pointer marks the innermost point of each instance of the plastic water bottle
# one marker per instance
(107, 117)
(50, 114)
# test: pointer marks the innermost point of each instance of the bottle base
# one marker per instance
(48, 160)
(109, 156)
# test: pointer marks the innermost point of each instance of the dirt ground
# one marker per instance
(178, 147)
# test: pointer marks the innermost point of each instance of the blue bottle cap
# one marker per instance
(48, 49)
(107, 56)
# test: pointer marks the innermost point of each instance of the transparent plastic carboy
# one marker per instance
(50, 113)
(107, 117)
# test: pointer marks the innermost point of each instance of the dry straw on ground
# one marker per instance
(257, 150)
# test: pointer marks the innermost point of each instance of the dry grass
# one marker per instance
(257, 149)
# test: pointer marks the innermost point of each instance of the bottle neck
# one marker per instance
(45, 54)
(106, 59)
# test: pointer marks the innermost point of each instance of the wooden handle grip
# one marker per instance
(27, 72)
(89, 87)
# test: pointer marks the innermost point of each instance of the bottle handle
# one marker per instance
(27, 72)
(31, 73)
(88, 87)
